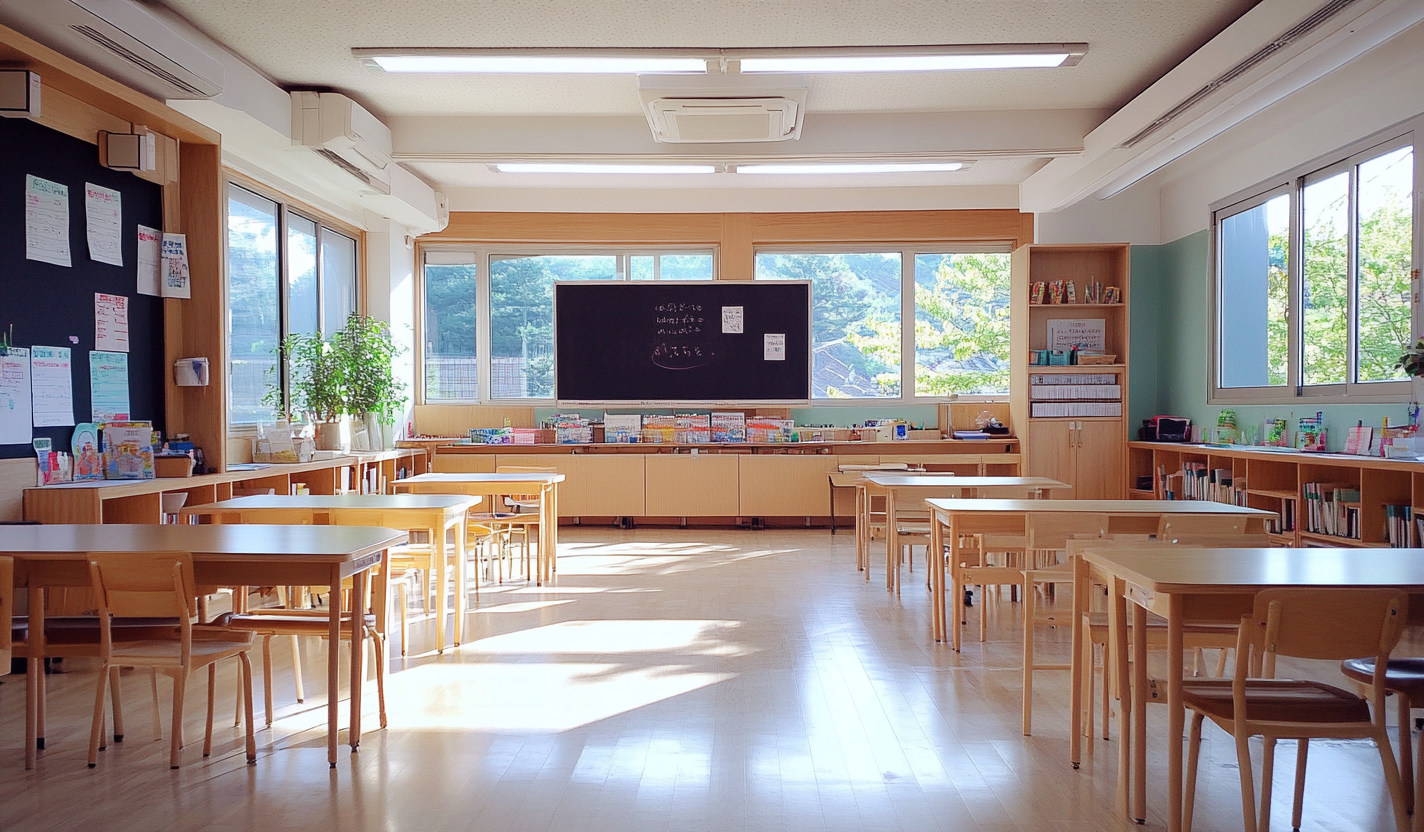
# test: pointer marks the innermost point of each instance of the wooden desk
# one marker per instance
(434, 514)
(545, 485)
(966, 517)
(1213, 585)
(48, 556)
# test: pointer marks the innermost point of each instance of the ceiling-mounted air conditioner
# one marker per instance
(122, 40)
(346, 134)
(722, 108)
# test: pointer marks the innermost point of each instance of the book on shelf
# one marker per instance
(1333, 509)
(1397, 526)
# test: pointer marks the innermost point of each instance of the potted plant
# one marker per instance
(317, 387)
(1412, 363)
(368, 353)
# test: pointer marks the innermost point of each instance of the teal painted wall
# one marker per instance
(1179, 285)
(840, 417)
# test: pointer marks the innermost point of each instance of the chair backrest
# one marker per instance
(1327, 624)
(277, 517)
(1175, 525)
(371, 517)
(524, 469)
(1053, 530)
(143, 585)
(7, 600)
(1221, 541)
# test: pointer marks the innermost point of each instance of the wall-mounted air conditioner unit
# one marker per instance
(346, 134)
(122, 40)
(722, 108)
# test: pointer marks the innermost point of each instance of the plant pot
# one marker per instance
(373, 432)
(388, 437)
(333, 436)
(1416, 385)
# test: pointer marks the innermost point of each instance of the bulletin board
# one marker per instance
(43, 304)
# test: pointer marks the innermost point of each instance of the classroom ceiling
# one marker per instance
(1132, 43)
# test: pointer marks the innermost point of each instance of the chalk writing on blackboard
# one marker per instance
(680, 341)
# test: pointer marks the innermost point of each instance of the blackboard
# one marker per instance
(663, 341)
(47, 304)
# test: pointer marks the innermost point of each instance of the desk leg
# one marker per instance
(833, 507)
(553, 532)
(1081, 587)
(34, 672)
(333, 635)
(892, 548)
(934, 562)
(1176, 714)
(956, 589)
(1139, 714)
(461, 599)
(358, 655)
(437, 557)
(1117, 656)
(859, 529)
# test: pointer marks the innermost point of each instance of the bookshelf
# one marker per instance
(1372, 495)
(1071, 419)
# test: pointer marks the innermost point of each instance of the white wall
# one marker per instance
(390, 296)
(1132, 216)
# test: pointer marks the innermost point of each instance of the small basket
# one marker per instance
(1096, 359)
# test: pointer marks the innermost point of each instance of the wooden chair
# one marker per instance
(518, 522)
(1307, 624)
(160, 585)
(1172, 526)
(1405, 679)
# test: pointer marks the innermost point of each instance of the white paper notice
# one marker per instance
(731, 320)
(175, 267)
(46, 221)
(52, 387)
(150, 260)
(111, 322)
(773, 347)
(104, 217)
(109, 386)
(15, 426)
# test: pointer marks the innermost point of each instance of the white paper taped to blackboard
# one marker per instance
(774, 347)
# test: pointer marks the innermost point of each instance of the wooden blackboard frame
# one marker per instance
(801, 401)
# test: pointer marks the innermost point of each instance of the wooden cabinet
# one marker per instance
(786, 485)
(1073, 419)
(684, 485)
(596, 486)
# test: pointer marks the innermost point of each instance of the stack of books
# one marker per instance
(1333, 509)
(1397, 526)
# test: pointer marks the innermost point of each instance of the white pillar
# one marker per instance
(390, 296)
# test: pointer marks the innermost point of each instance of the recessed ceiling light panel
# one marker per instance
(866, 167)
(552, 167)
(536, 64)
(902, 63)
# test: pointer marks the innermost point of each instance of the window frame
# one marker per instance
(1293, 183)
(287, 206)
(908, 254)
(481, 255)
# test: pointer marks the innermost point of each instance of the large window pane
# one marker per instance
(642, 267)
(303, 308)
(522, 317)
(1385, 254)
(855, 319)
(1254, 295)
(338, 279)
(685, 267)
(254, 288)
(961, 323)
(451, 354)
(1325, 221)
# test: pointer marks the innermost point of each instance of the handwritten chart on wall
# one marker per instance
(69, 256)
(682, 341)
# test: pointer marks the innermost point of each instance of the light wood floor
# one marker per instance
(671, 680)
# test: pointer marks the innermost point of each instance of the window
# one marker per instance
(1313, 280)
(959, 305)
(287, 272)
(500, 304)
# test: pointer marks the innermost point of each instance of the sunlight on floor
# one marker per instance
(685, 638)
(523, 606)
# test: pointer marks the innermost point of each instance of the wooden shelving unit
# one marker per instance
(1079, 445)
(1274, 479)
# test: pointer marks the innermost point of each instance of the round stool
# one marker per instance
(1405, 679)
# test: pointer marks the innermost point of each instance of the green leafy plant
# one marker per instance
(317, 382)
(367, 353)
(1412, 362)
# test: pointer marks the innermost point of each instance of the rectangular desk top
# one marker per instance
(239, 542)
(474, 477)
(992, 506)
(326, 502)
(899, 480)
(1190, 569)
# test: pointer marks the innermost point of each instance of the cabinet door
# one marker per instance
(683, 485)
(1099, 449)
(785, 485)
(1050, 452)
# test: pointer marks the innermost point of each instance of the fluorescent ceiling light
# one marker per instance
(587, 168)
(871, 167)
(537, 64)
(902, 63)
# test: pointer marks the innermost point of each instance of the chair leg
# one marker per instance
(157, 717)
(1221, 662)
(1198, 659)
(378, 647)
(118, 705)
(267, 678)
(1189, 796)
(1406, 753)
(96, 729)
(1029, 613)
(1248, 786)
(297, 668)
(1107, 697)
(180, 684)
(212, 708)
(403, 600)
(244, 678)
(1086, 662)
(1302, 750)
(1268, 772)
(1391, 779)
